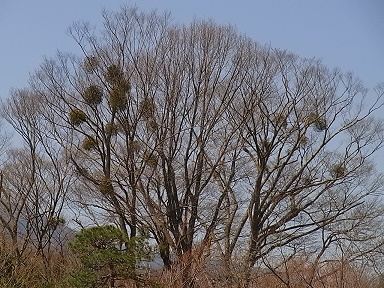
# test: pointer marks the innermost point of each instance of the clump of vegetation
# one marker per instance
(150, 159)
(311, 118)
(77, 117)
(338, 170)
(280, 120)
(105, 186)
(89, 143)
(119, 87)
(90, 64)
(134, 145)
(151, 124)
(117, 99)
(114, 74)
(53, 221)
(93, 95)
(124, 124)
(111, 129)
(318, 122)
(147, 108)
(306, 180)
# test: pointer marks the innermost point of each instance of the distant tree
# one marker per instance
(35, 180)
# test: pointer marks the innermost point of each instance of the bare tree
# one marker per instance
(197, 135)
(309, 140)
(35, 182)
(158, 115)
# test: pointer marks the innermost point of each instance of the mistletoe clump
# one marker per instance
(147, 108)
(280, 120)
(111, 129)
(338, 170)
(318, 122)
(89, 143)
(117, 98)
(303, 140)
(77, 117)
(135, 146)
(93, 95)
(114, 74)
(150, 159)
(90, 64)
(105, 186)
(119, 87)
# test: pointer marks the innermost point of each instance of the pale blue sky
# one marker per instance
(344, 33)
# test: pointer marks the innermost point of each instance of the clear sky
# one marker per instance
(344, 33)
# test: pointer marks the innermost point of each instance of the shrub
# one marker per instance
(106, 255)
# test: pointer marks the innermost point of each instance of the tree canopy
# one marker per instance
(201, 139)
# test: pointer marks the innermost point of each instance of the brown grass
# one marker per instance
(199, 269)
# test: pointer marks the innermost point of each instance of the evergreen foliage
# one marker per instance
(106, 255)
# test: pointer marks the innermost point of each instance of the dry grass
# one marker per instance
(199, 269)
(296, 274)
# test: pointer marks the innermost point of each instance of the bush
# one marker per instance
(106, 255)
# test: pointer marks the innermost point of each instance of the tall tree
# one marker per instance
(196, 134)
(308, 137)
